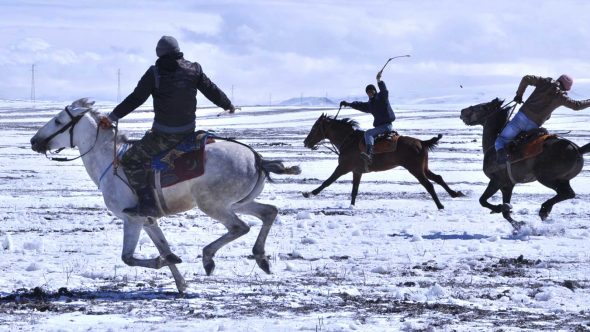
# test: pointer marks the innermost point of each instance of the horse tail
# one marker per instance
(277, 167)
(585, 149)
(431, 143)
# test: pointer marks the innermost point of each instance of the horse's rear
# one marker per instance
(234, 176)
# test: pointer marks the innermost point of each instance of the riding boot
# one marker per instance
(146, 205)
(368, 156)
(501, 156)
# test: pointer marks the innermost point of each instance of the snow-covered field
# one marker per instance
(393, 262)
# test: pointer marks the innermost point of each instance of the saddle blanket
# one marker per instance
(183, 162)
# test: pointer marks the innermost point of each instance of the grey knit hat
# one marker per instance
(167, 45)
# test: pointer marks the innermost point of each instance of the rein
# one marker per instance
(70, 126)
(334, 148)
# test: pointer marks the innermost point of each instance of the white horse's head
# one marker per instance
(58, 133)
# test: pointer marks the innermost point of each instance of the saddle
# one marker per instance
(528, 144)
(383, 143)
(183, 162)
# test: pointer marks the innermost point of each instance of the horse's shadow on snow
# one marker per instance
(464, 236)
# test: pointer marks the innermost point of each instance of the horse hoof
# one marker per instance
(209, 267)
(172, 259)
(459, 194)
(264, 265)
(306, 194)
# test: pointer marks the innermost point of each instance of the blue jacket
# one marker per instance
(378, 106)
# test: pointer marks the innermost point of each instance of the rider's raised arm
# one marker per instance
(142, 91)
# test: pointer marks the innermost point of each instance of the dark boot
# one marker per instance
(146, 205)
(501, 156)
(368, 156)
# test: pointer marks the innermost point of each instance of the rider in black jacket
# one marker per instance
(173, 83)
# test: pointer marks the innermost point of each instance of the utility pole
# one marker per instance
(33, 83)
(232, 94)
(118, 85)
(270, 99)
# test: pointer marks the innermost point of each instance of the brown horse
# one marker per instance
(560, 161)
(411, 153)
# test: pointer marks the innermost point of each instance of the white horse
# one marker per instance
(234, 176)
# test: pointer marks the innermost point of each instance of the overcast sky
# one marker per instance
(274, 50)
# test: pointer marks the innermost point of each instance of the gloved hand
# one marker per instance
(518, 99)
(344, 103)
(104, 122)
(379, 75)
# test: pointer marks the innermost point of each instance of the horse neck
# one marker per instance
(492, 128)
(100, 147)
(338, 133)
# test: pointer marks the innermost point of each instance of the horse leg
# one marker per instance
(507, 208)
(439, 180)
(491, 189)
(267, 213)
(235, 228)
(338, 172)
(429, 187)
(167, 258)
(131, 230)
(564, 191)
(356, 180)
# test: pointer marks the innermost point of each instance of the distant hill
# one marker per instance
(308, 101)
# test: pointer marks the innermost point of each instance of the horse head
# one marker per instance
(317, 132)
(58, 133)
(478, 114)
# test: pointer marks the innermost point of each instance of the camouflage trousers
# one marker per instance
(137, 160)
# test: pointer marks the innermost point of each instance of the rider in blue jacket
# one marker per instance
(378, 105)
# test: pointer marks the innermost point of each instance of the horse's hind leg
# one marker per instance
(429, 187)
(266, 213)
(235, 227)
(439, 180)
(564, 191)
(167, 258)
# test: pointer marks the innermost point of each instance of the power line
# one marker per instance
(33, 83)
(118, 85)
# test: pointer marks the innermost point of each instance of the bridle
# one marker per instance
(334, 148)
(70, 125)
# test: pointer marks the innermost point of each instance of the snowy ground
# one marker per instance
(393, 262)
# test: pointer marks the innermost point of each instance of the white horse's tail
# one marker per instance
(275, 166)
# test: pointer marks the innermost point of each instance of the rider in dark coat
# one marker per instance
(548, 95)
(173, 83)
(378, 105)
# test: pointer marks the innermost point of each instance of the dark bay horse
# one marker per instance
(411, 153)
(560, 161)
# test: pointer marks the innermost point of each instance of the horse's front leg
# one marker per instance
(167, 258)
(338, 172)
(131, 229)
(491, 189)
(356, 180)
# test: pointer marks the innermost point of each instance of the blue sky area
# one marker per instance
(275, 50)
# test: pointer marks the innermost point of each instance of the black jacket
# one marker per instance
(173, 84)
(378, 106)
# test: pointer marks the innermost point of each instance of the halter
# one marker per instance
(70, 125)
(333, 148)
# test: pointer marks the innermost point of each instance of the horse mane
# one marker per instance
(347, 121)
(95, 114)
